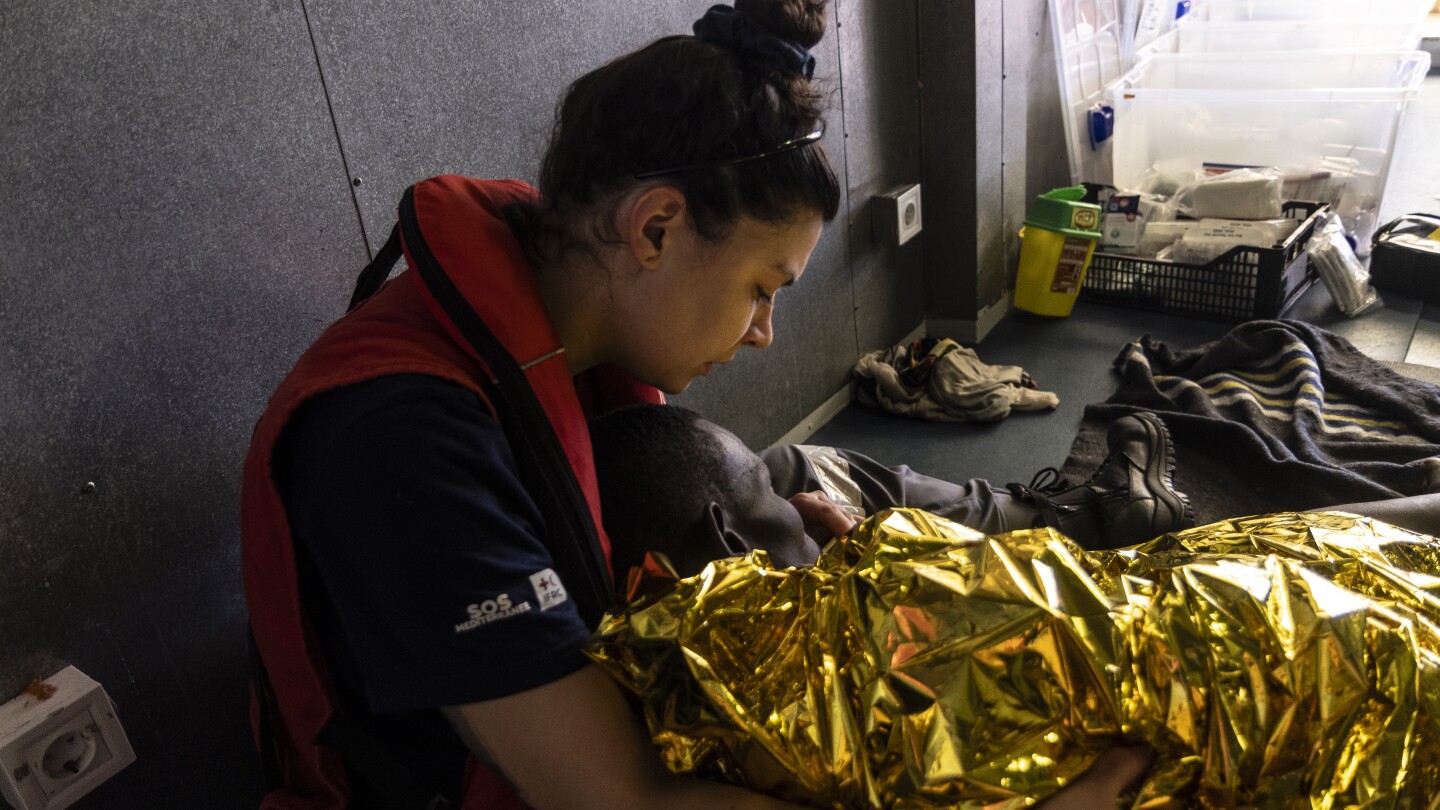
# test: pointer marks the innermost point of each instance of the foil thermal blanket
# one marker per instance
(1279, 661)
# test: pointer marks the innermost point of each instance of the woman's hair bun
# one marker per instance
(802, 21)
(725, 116)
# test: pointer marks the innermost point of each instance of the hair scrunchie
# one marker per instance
(726, 27)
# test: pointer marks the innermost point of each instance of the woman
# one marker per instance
(422, 557)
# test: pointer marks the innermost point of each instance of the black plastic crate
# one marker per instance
(1245, 283)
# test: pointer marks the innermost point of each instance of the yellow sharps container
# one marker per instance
(1055, 248)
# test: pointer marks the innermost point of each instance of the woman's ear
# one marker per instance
(651, 222)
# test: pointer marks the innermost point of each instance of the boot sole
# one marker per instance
(1160, 478)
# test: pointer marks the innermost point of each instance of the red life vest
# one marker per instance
(402, 329)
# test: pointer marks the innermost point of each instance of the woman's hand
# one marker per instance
(823, 517)
(1101, 786)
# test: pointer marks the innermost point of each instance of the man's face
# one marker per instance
(757, 516)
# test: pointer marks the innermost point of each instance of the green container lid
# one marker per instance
(1061, 211)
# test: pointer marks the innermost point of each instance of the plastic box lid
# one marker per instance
(1372, 74)
(1206, 36)
(1255, 10)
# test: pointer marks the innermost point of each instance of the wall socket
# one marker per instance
(57, 749)
(896, 215)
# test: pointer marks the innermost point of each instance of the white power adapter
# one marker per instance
(56, 748)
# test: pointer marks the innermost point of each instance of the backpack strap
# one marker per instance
(571, 535)
(377, 270)
(267, 727)
(546, 474)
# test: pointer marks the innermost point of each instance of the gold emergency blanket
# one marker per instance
(1280, 661)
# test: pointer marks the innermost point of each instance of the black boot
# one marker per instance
(1131, 498)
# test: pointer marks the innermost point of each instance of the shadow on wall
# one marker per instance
(182, 220)
(180, 223)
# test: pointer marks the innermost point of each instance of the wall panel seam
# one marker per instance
(845, 165)
(335, 126)
(920, 151)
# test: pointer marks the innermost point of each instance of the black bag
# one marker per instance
(1405, 257)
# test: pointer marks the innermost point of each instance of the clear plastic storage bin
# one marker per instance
(1328, 119)
(1366, 73)
(1202, 36)
(1255, 10)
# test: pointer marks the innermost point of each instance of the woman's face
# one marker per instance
(704, 300)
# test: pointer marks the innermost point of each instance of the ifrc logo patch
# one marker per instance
(549, 591)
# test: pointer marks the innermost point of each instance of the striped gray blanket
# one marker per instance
(1282, 415)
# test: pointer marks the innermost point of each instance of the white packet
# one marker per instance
(1192, 250)
(1345, 277)
(1238, 194)
(1252, 232)
(1161, 235)
(1121, 223)
(1174, 201)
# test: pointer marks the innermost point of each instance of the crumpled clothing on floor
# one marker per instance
(942, 381)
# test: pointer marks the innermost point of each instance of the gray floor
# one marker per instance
(1072, 356)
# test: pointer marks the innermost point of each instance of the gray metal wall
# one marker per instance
(992, 140)
(858, 294)
(188, 188)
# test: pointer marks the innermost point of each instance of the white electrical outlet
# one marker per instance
(56, 749)
(897, 216)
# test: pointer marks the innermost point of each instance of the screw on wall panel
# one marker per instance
(356, 181)
(87, 488)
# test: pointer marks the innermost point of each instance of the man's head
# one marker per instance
(672, 482)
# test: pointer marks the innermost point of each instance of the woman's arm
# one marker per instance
(575, 743)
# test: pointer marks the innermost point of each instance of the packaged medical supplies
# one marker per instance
(1254, 232)
(1345, 277)
(1236, 281)
(1207, 239)
(1278, 661)
(1238, 194)
(1327, 115)
(1160, 235)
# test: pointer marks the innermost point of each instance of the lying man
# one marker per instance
(672, 482)
(996, 670)
(725, 496)
(791, 499)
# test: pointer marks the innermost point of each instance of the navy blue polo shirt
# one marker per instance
(420, 557)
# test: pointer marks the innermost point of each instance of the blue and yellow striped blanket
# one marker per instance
(1294, 416)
